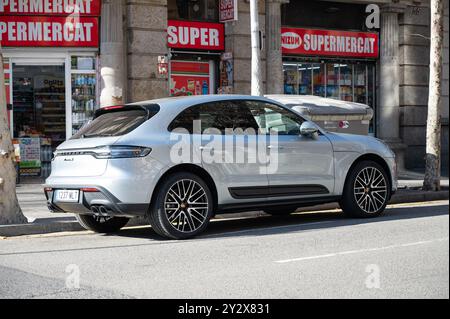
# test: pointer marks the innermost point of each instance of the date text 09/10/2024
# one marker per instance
(224, 309)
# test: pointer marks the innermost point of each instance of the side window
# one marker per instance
(272, 117)
(242, 117)
(185, 120)
(219, 115)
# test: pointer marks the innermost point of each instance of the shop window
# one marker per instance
(197, 10)
(353, 82)
(360, 83)
(346, 82)
(84, 90)
(332, 77)
(342, 81)
(83, 63)
(305, 78)
(319, 78)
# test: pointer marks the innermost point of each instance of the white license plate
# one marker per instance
(65, 195)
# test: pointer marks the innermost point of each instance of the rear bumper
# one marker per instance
(90, 202)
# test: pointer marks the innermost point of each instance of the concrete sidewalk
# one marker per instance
(33, 203)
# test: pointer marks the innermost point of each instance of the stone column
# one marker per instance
(274, 65)
(389, 80)
(112, 50)
(146, 38)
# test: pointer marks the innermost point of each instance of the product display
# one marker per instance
(83, 99)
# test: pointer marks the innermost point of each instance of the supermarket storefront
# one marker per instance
(50, 54)
(330, 52)
(330, 63)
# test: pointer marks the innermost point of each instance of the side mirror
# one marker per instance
(308, 128)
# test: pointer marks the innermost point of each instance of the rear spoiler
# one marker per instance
(148, 108)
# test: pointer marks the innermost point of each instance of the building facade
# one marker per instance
(105, 52)
(394, 81)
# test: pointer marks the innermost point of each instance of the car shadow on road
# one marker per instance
(270, 225)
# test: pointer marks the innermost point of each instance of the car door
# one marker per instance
(301, 166)
(228, 150)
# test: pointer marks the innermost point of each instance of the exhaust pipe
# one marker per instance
(102, 210)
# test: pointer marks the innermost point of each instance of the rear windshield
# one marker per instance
(116, 122)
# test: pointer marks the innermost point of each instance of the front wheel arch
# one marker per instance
(371, 157)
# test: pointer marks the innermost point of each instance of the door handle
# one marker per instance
(204, 148)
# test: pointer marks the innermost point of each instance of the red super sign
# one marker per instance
(195, 35)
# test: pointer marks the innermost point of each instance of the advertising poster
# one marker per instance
(30, 156)
(226, 73)
(189, 78)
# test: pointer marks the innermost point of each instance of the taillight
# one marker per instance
(108, 152)
(89, 190)
(111, 152)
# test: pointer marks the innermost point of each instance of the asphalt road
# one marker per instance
(404, 254)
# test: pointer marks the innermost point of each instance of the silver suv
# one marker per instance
(180, 161)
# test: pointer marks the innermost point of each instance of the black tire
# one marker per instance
(367, 190)
(280, 211)
(188, 213)
(100, 224)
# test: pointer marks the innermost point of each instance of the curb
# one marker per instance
(37, 228)
(411, 196)
(402, 196)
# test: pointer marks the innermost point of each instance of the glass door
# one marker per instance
(39, 102)
(39, 114)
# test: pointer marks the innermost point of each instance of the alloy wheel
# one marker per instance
(370, 190)
(186, 205)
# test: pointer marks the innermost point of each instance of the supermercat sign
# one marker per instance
(49, 23)
(316, 42)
